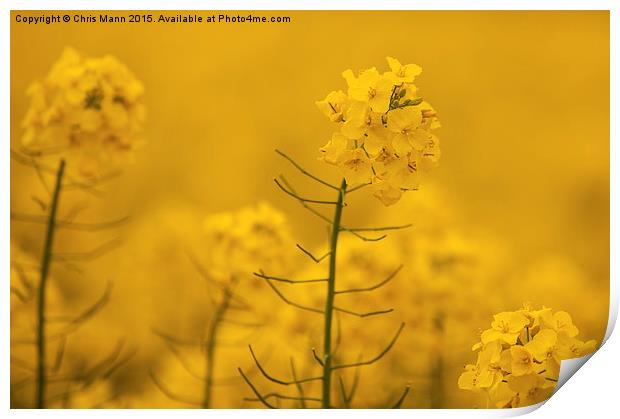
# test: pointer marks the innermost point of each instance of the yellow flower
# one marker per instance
(504, 396)
(431, 153)
(468, 379)
(570, 347)
(332, 151)
(534, 316)
(588, 347)
(334, 105)
(377, 139)
(542, 346)
(382, 116)
(358, 119)
(356, 166)
(384, 159)
(404, 172)
(430, 116)
(402, 73)
(386, 192)
(531, 389)
(532, 344)
(505, 327)
(486, 372)
(244, 241)
(561, 322)
(370, 87)
(405, 123)
(517, 360)
(89, 110)
(546, 349)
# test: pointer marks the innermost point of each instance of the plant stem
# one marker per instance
(329, 301)
(211, 346)
(437, 372)
(45, 267)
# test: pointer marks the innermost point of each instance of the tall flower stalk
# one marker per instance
(383, 140)
(87, 112)
(45, 267)
(326, 361)
(209, 345)
(211, 338)
(331, 294)
(236, 242)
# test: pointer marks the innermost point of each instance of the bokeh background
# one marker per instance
(517, 210)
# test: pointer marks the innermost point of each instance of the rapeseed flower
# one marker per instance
(243, 241)
(531, 343)
(385, 135)
(89, 110)
(505, 327)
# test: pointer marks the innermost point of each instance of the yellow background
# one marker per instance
(523, 98)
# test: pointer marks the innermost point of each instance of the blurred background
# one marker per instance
(517, 210)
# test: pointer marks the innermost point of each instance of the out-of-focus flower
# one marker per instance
(86, 109)
(530, 345)
(244, 241)
(385, 130)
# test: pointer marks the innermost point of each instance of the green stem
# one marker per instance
(329, 301)
(45, 267)
(437, 372)
(211, 346)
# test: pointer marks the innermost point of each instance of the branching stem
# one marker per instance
(377, 357)
(326, 361)
(305, 172)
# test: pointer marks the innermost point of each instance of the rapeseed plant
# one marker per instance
(383, 139)
(86, 114)
(236, 242)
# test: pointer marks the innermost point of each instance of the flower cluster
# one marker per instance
(87, 109)
(246, 240)
(385, 130)
(519, 356)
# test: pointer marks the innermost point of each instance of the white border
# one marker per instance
(593, 392)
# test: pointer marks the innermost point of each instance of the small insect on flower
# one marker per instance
(523, 349)
(88, 110)
(384, 136)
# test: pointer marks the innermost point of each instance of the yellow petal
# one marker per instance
(401, 145)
